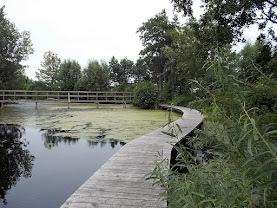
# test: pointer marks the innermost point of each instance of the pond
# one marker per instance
(52, 151)
(42, 170)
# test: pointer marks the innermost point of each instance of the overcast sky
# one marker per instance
(84, 29)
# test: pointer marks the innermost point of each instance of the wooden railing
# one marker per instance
(66, 96)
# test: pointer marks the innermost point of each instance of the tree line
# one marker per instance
(68, 75)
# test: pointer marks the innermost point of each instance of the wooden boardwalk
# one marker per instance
(7, 96)
(120, 181)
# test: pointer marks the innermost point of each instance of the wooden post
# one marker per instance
(68, 101)
(36, 101)
(1, 104)
(124, 103)
(97, 104)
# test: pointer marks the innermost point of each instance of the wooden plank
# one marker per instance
(120, 182)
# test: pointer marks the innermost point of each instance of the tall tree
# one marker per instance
(69, 74)
(155, 36)
(49, 73)
(95, 77)
(14, 48)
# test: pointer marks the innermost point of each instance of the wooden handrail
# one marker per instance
(67, 96)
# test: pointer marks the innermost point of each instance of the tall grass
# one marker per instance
(239, 131)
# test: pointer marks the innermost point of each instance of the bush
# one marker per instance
(183, 100)
(124, 87)
(146, 95)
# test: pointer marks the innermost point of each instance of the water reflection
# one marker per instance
(112, 142)
(15, 159)
(52, 141)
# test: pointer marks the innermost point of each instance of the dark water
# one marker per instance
(41, 170)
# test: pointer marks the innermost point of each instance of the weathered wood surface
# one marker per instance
(120, 181)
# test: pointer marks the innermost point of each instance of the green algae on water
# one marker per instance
(109, 121)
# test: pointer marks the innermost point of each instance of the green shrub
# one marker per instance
(183, 100)
(124, 87)
(146, 95)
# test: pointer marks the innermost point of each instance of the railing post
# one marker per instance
(68, 101)
(2, 103)
(124, 103)
(36, 100)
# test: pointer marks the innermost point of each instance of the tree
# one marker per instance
(15, 47)
(230, 17)
(95, 77)
(140, 71)
(114, 67)
(155, 36)
(256, 59)
(120, 71)
(126, 66)
(69, 74)
(49, 73)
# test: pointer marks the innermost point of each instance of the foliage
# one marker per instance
(155, 36)
(243, 168)
(69, 74)
(140, 71)
(49, 73)
(15, 47)
(230, 17)
(124, 87)
(257, 58)
(120, 71)
(95, 77)
(35, 85)
(146, 95)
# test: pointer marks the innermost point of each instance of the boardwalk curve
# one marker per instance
(120, 181)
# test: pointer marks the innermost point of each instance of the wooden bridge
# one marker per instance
(66, 96)
(120, 181)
